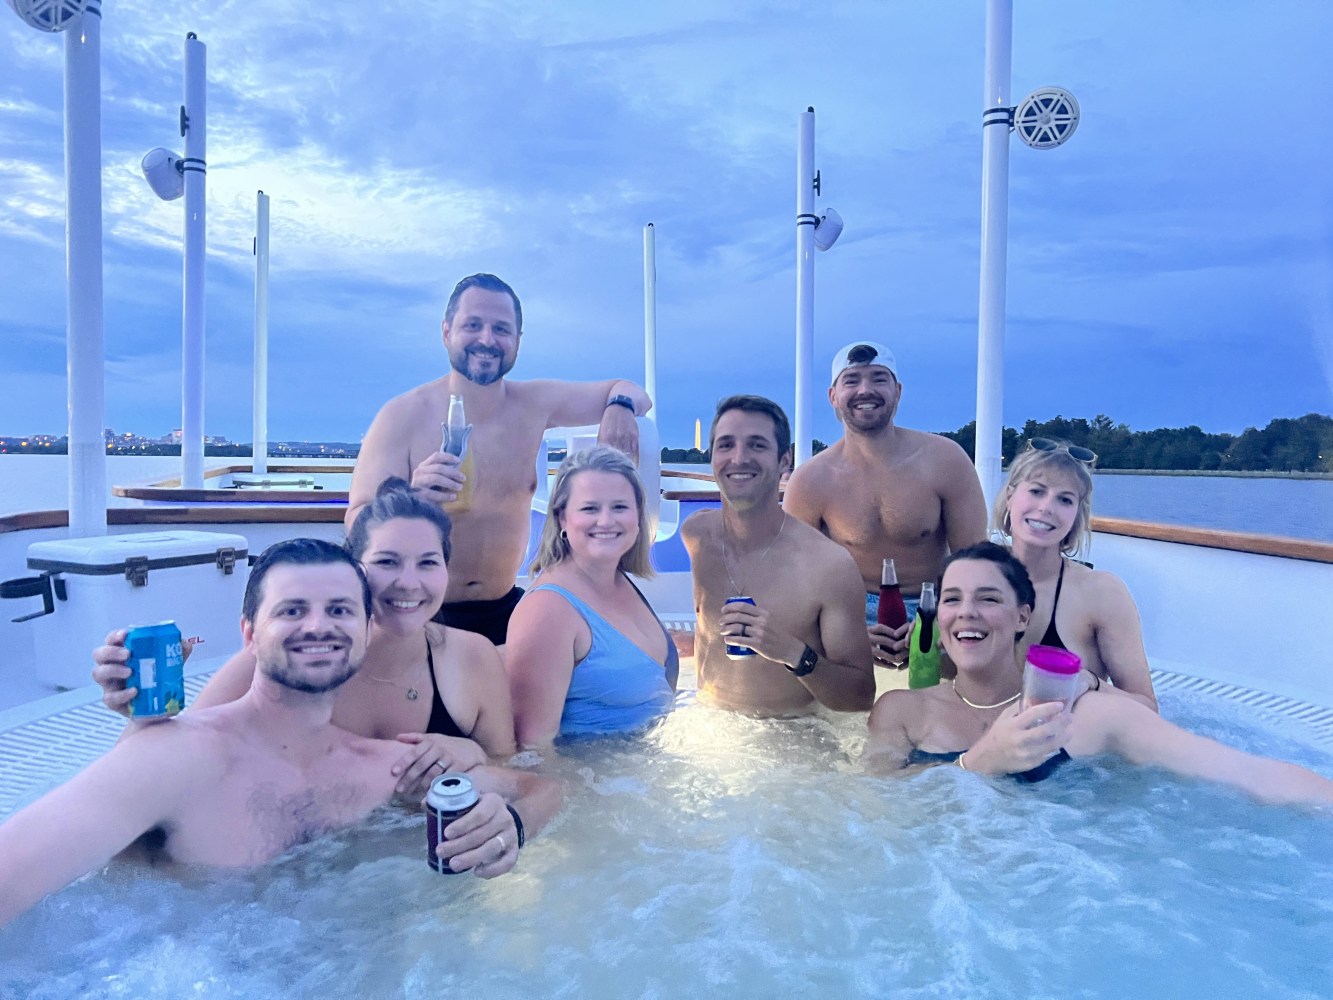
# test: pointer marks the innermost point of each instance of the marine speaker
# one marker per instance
(1046, 118)
(49, 15)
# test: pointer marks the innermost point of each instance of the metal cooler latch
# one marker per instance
(136, 570)
(226, 560)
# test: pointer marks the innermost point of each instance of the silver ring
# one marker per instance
(503, 847)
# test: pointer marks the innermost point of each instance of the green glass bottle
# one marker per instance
(923, 652)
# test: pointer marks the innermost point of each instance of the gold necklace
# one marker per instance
(740, 591)
(972, 704)
(412, 694)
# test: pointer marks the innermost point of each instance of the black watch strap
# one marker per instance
(806, 664)
(621, 400)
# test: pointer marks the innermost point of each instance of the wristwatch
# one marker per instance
(807, 663)
(620, 400)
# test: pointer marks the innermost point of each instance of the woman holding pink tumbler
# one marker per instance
(991, 721)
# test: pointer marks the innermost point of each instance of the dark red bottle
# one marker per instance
(892, 611)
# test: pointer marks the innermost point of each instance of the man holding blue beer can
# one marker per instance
(779, 606)
(239, 784)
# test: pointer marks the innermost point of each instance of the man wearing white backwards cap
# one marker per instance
(886, 492)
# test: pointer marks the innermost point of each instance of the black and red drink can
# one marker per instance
(450, 796)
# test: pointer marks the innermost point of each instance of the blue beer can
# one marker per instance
(739, 652)
(157, 669)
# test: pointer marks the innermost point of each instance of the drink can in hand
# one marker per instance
(157, 669)
(450, 796)
(739, 652)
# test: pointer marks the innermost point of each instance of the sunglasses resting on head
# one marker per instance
(1077, 452)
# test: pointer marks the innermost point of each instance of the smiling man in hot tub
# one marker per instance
(801, 639)
(239, 784)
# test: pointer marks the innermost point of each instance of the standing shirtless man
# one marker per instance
(886, 492)
(805, 625)
(483, 323)
(236, 785)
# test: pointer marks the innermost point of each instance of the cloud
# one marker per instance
(407, 145)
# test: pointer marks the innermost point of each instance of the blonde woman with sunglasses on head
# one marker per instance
(1045, 515)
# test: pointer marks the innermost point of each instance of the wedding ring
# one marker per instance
(503, 848)
(745, 630)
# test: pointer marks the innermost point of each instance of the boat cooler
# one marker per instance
(93, 585)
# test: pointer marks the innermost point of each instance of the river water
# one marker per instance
(1297, 508)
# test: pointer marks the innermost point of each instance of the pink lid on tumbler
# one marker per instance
(1050, 674)
(1054, 660)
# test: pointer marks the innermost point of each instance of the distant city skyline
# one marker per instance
(1171, 265)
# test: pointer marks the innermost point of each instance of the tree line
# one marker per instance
(1303, 444)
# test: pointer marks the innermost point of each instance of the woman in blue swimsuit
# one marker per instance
(441, 691)
(1044, 512)
(978, 722)
(586, 654)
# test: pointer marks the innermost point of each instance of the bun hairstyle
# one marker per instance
(1014, 571)
(395, 499)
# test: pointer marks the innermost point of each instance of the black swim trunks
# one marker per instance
(488, 618)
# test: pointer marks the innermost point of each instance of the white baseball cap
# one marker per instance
(863, 352)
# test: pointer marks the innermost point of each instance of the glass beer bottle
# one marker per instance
(454, 438)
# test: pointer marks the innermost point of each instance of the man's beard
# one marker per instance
(883, 417)
(486, 378)
(328, 678)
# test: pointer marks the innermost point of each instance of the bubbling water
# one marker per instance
(720, 855)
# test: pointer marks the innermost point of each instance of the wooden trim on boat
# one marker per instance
(168, 490)
(332, 513)
(163, 494)
(119, 516)
(1235, 541)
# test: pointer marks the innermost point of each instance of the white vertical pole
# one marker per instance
(259, 462)
(994, 246)
(650, 317)
(83, 250)
(195, 166)
(805, 280)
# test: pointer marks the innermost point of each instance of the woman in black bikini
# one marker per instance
(978, 722)
(441, 691)
(1044, 512)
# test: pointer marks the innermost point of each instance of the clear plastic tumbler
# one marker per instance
(1050, 674)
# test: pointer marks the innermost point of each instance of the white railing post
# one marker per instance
(194, 166)
(259, 451)
(806, 221)
(85, 361)
(994, 251)
(650, 317)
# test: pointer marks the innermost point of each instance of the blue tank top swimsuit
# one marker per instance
(616, 687)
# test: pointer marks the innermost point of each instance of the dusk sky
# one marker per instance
(1171, 265)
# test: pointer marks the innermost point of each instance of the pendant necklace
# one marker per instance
(411, 694)
(972, 704)
(726, 561)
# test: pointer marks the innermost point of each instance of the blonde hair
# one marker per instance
(1030, 463)
(553, 547)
